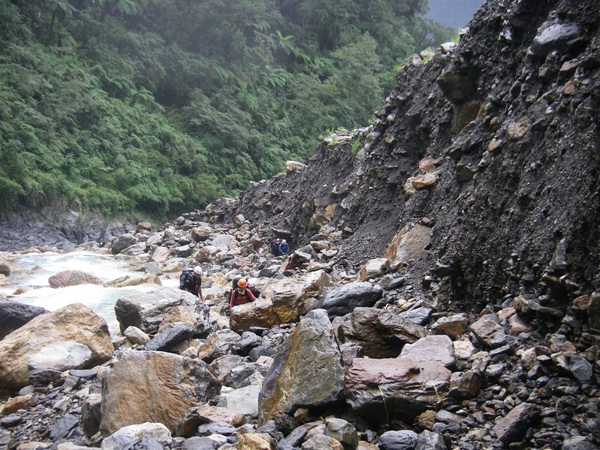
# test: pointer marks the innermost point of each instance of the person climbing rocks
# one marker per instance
(191, 281)
(241, 295)
(284, 247)
(252, 288)
(275, 243)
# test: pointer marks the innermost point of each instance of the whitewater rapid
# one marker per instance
(30, 272)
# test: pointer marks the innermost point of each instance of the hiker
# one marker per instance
(234, 282)
(241, 295)
(191, 281)
(252, 288)
(275, 243)
(284, 248)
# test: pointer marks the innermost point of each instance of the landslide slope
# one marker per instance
(493, 146)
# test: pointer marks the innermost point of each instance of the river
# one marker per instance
(31, 271)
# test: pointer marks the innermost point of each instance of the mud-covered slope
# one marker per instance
(503, 133)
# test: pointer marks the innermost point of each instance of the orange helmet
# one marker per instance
(242, 283)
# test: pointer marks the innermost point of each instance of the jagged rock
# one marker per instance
(321, 442)
(488, 330)
(380, 333)
(342, 431)
(218, 344)
(294, 166)
(73, 323)
(142, 375)
(14, 315)
(344, 299)
(513, 426)
(66, 424)
(311, 349)
(465, 385)
(410, 243)
(72, 278)
(243, 400)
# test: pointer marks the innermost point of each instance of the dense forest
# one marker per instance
(160, 106)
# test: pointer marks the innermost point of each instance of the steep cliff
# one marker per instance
(493, 146)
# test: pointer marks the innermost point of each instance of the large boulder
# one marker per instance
(153, 387)
(74, 323)
(380, 390)
(310, 351)
(380, 333)
(151, 308)
(283, 301)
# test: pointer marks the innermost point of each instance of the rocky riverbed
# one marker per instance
(325, 358)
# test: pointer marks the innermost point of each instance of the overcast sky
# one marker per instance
(454, 13)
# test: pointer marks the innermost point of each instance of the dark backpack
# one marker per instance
(185, 275)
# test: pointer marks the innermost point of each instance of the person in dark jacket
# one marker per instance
(193, 284)
(284, 247)
(252, 288)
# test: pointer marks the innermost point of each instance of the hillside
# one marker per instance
(493, 148)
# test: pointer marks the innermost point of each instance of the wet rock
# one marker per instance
(72, 278)
(122, 242)
(13, 315)
(382, 389)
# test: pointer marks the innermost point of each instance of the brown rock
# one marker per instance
(75, 323)
(72, 278)
(155, 387)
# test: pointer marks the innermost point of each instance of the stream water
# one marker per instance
(33, 270)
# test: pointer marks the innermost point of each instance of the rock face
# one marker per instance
(74, 323)
(503, 202)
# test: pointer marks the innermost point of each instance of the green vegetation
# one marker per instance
(160, 106)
